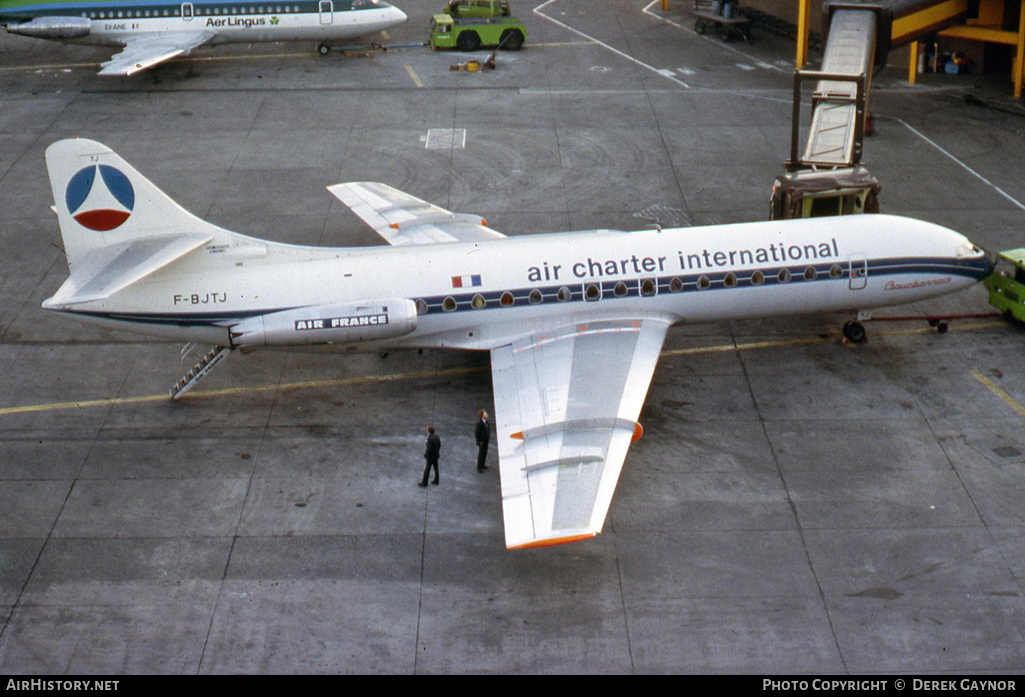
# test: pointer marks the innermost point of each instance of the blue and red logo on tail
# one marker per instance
(100, 198)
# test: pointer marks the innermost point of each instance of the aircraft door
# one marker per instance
(326, 11)
(187, 11)
(859, 271)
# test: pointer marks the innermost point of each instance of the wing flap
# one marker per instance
(143, 51)
(404, 219)
(566, 404)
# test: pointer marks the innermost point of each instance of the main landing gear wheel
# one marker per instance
(323, 49)
(854, 332)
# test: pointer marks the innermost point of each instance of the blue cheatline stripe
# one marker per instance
(193, 319)
(77, 8)
(716, 281)
(689, 283)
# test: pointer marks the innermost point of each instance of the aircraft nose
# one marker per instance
(978, 259)
(400, 16)
(991, 264)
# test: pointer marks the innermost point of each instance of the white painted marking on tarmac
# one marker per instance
(725, 46)
(968, 169)
(538, 12)
(445, 138)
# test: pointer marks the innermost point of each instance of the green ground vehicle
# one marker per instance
(1007, 284)
(477, 8)
(506, 33)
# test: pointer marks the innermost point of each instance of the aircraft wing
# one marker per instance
(143, 51)
(566, 408)
(403, 219)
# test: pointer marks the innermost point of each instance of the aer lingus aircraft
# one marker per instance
(574, 321)
(153, 31)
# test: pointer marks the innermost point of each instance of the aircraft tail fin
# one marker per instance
(101, 201)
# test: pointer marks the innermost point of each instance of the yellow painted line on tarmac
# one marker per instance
(95, 65)
(64, 66)
(179, 59)
(727, 348)
(452, 372)
(412, 74)
(81, 405)
(999, 392)
(833, 336)
(951, 328)
(336, 382)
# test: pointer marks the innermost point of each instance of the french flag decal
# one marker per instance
(465, 281)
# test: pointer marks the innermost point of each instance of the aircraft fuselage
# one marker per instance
(113, 23)
(478, 295)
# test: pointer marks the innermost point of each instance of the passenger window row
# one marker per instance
(647, 287)
(198, 11)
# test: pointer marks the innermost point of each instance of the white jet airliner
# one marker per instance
(574, 321)
(153, 31)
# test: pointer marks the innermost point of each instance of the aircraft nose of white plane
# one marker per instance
(978, 262)
(398, 15)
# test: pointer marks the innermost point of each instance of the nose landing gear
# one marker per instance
(854, 332)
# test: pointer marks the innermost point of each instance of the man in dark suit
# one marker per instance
(431, 454)
(482, 434)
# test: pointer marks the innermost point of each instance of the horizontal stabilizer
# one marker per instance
(103, 272)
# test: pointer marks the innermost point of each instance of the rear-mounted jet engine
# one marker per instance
(346, 323)
(52, 28)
